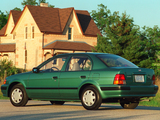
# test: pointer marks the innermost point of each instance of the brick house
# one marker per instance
(39, 32)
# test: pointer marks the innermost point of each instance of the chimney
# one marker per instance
(44, 4)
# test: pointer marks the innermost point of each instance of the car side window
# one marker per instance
(53, 65)
(79, 63)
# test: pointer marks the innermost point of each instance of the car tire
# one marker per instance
(90, 98)
(131, 105)
(57, 102)
(18, 95)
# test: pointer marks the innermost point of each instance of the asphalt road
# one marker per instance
(43, 110)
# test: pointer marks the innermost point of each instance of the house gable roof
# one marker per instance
(2, 31)
(15, 15)
(66, 45)
(64, 15)
(47, 18)
(87, 24)
(54, 20)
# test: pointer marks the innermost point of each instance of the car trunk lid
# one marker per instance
(137, 76)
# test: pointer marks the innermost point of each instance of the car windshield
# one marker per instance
(116, 61)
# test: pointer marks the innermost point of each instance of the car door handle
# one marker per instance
(83, 77)
(55, 77)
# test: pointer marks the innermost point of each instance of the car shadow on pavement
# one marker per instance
(110, 107)
(102, 107)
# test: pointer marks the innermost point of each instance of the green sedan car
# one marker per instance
(92, 78)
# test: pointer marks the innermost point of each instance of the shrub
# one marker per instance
(7, 69)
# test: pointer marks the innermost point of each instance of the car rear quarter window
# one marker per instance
(116, 61)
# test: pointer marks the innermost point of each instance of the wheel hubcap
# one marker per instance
(17, 95)
(89, 98)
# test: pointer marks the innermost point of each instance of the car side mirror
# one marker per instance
(35, 70)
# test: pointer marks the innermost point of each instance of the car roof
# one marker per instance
(82, 53)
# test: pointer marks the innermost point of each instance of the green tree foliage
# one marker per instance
(151, 43)
(52, 6)
(33, 2)
(29, 2)
(7, 66)
(44, 1)
(17, 9)
(120, 36)
(3, 20)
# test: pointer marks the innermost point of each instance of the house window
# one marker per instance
(69, 33)
(25, 56)
(5, 56)
(26, 32)
(14, 36)
(32, 33)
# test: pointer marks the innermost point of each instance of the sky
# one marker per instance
(143, 12)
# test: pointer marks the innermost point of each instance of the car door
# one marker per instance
(44, 84)
(77, 71)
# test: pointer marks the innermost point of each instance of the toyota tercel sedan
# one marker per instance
(92, 78)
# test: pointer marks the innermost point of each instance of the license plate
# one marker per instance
(139, 78)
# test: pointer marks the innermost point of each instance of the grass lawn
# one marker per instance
(153, 101)
(2, 97)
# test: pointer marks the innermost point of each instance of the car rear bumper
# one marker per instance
(128, 91)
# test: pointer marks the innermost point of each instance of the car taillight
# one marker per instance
(119, 79)
(4, 82)
(153, 79)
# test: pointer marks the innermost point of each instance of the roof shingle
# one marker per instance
(16, 15)
(8, 47)
(65, 45)
(46, 18)
(2, 31)
(54, 20)
(87, 24)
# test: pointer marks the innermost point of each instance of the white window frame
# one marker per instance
(14, 36)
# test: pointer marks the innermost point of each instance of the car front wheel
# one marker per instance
(90, 98)
(129, 105)
(18, 96)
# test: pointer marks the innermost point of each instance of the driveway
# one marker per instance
(43, 110)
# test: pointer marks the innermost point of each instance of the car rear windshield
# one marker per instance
(116, 61)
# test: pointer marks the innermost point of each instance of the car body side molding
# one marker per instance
(115, 88)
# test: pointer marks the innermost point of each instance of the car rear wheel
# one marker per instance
(90, 98)
(129, 105)
(18, 96)
(57, 102)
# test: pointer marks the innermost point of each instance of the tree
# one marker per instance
(151, 43)
(17, 9)
(44, 1)
(120, 36)
(101, 17)
(33, 2)
(3, 20)
(52, 6)
(29, 2)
